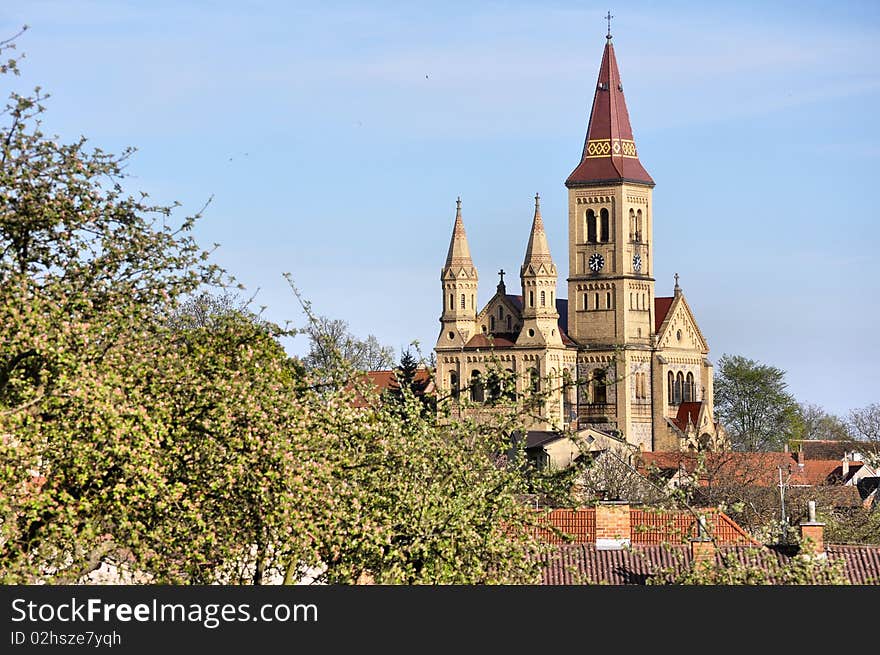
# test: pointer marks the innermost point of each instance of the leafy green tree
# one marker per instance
(331, 341)
(849, 525)
(864, 424)
(142, 421)
(754, 405)
(407, 381)
(813, 422)
(424, 499)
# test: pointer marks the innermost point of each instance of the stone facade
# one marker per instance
(612, 357)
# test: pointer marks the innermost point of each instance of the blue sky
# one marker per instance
(334, 138)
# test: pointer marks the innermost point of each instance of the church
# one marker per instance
(613, 358)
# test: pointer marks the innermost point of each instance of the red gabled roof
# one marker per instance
(687, 411)
(609, 151)
(387, 380)
(491, 341)
(661, 309)
(648, 526)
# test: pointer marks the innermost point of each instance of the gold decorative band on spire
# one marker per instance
(597, 148)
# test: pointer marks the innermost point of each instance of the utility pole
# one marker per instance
(784, 522)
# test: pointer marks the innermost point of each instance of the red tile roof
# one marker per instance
(760, 469)
(647, 526)
(609, 151)
(572, 564)
(661, 309)
(824, 471)
(831, 448)
(385, 380)
(862, 562)
(490, 341)
(658, 527)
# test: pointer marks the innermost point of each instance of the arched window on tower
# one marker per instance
(591, 226)
(608, 299)
(531, 298)
(679, 384)
(508, 323)
(586, 304)
(605, 231)
(598, 395)
(510, 384)
(451, 302)
(491, 323)
(690, 395)
(477, 394)
(500, 313)
(596, 299)
(639, 225)
(453, 383)
(463, 302)
(569, 397)
(534, 380)
(670, 385)
(632, 225)
(543, 298)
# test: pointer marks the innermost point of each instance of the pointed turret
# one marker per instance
(609, 150)
(538, 275)
(537, 252)
(459, 254)
(459, 280)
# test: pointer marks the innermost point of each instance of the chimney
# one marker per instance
(702, 546)
(800, 457)
(844, 466)
(613, 527)
(812, 533)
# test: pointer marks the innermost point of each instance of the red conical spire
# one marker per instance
(609, 151)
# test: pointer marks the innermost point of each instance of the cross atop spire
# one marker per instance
(677, 289)
(608, 18)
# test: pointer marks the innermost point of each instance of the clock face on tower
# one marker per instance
(637, 262)
(597, 261)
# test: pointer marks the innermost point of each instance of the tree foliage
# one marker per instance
(753, 403)
(331, 344)
(757, 567)
(813, 422)
(145, 421)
